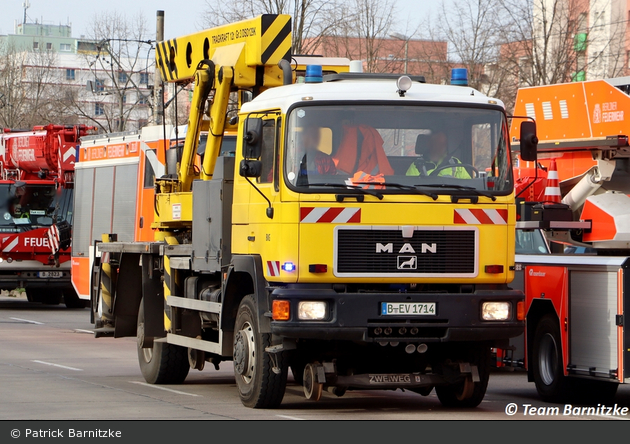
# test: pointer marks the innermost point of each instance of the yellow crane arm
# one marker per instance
(239, 56)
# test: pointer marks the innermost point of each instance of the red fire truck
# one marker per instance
(36, 198)
(576, 341)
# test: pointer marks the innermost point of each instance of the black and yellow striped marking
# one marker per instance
(266, 39)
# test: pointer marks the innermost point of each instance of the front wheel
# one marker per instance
(162, 363)
(259, 386)
(468, 393)
(547, 362)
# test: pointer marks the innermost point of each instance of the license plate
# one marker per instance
(407, 308)
(50, 274)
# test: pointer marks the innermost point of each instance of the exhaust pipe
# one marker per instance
(287, 72)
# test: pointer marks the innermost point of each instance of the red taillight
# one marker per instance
(494, 269)
(318, 268)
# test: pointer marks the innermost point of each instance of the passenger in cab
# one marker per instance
(434, 157)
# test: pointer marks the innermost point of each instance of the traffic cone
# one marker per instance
(552, 191)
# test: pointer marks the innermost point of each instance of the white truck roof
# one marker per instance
(364, 89)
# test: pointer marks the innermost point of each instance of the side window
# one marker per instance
(149, 174)
(268, 151)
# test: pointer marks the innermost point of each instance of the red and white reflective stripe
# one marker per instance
(330, 215)
(70, 153)
(53, 238)
(477, 216)
(273, 268)
(12, 245)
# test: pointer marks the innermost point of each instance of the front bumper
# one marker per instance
(357, 317)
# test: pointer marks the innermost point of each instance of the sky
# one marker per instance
(180, 17)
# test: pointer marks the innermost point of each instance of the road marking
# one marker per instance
(162, 388)
(78, 330)
(290, 417)
(60, 366)
(27, 321)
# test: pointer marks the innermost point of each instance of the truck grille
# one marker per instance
(386, 252)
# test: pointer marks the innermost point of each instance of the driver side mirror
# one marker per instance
(529, 141)
(252, 139)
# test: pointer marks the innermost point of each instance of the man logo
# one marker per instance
(407, 262)
(406, 248)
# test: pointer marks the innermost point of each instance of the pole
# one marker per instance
(158, 91)
(406, 52)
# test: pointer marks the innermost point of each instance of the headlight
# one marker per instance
(312, 310)
(496, 311)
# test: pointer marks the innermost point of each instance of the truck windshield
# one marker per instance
(398, 149)
(25, 206)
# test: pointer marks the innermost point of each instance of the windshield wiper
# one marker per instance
(433, 196)
(473, 190)
(348, 187)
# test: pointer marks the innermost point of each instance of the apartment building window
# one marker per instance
(122, 77)
(99, 110)
(35, 45)
(64, 47)
(144, 78)
(99, 85)
(70, 74)
(143, 100)
(49, 46)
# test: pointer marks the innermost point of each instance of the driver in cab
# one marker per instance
(435, 159)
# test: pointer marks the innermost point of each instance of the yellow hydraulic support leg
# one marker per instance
(203, 84)
(171, 281)
(217, 120)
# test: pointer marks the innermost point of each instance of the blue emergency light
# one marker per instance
(314, 74)
(459, 76)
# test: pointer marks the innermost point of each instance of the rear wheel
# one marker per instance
(72, 300)
(547, 362)
(48, 296)
(468, 393)
(259, 386)
(162, 363)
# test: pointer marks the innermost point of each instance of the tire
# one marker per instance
(71, 299)
(453, 395)
(547, 362)
(258, 385)
(297, 370)
(163, 363)
(44, 295)
(594, 392)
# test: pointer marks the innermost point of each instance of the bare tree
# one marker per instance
(120, 68)
(472, 29)
(363, 35)
(29, 95)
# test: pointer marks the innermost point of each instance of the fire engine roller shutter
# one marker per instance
(123, 221)
(593, 333)
(84, 182)
(380, 252)
(103, 202)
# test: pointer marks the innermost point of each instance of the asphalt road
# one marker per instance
(52, 368)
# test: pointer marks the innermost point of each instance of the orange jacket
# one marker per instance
(371, 156)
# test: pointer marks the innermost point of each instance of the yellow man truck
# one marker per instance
(317, 248)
